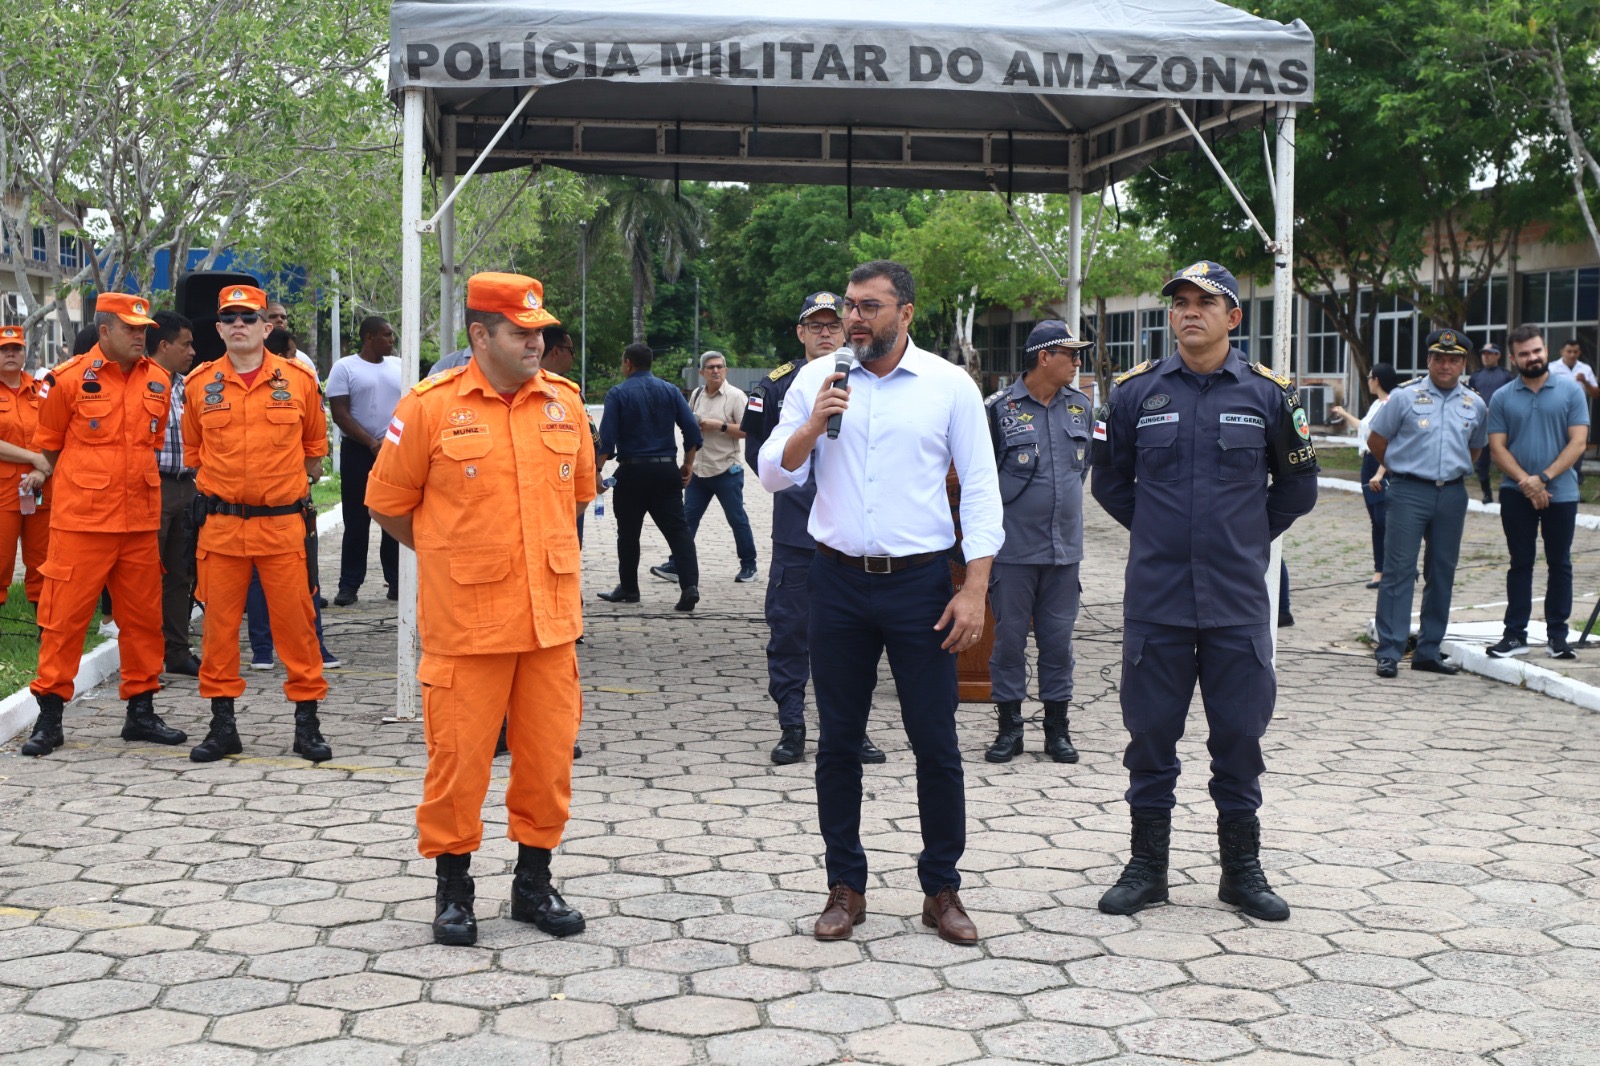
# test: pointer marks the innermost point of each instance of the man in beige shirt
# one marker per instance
(719, 408)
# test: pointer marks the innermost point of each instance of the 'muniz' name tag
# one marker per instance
(1156, 420)
(1244, 420)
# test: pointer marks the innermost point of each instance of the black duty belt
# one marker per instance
(879, 564)
(213, 505)
(1424, 480)
(182, 475)
(634, 459)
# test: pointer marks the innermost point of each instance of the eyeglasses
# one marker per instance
(866, 310)
(817, 329)
(1070, 353)
(714, 369)
(228, 318)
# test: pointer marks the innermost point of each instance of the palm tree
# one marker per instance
(651, 221)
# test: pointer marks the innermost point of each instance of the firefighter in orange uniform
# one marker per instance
(22, 468)
(254, 429)
(101, 419)
(483, 472)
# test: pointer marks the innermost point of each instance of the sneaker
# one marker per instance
(1560, 649)
(667, 571)
(1509, 646)
(261, 664)
(746, 573)
(330, 661)
(108, 628)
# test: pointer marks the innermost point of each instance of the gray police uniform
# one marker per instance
(1204, 472)
(788, 604)
(1431, 435)
(1043, 456)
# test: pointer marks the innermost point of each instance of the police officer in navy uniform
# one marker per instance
(1205, 457)
(1429, 436)
(788, 606)
(1040, 427)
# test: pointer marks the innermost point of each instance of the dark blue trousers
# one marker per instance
(788, 611)
(855, 618)
(1377, 507)
(1523, 526)
(1160, 665)
(727, 489)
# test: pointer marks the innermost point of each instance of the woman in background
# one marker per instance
(1374, 478)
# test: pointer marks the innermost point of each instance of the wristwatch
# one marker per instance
(1544, 477)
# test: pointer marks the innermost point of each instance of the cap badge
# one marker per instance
(1197, 270)
(462, 416)
(236, 294)
(140, 307)
(1448, 338)
(531, 299)
(825, 300)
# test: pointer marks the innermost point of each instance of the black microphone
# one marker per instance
(841, 366)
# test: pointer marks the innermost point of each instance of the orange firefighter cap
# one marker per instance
(247, 296)
(519, 298)
(134, 310)
(11, 336)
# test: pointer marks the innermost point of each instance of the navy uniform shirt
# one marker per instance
(791, 509)
(1043, 456)
(639, 416)
(1205, 472)
(1489, 380)
(1431, 433)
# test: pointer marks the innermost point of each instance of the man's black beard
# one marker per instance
(880, 347)
(1528, 371)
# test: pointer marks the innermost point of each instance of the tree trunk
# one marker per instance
(639, 287)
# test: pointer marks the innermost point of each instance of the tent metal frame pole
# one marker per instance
(1282, 247)
(1222, 173)
(447, 245)
(412, 161)
(1075, 236)
(432, 224)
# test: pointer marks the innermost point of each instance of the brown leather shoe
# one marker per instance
(945, 913)
(846, 909)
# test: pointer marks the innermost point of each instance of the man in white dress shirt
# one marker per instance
(881, 581)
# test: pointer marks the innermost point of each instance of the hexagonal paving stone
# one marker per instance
(1049, 1042)
(556, 1020)
(682, 956)
(67, 967)
(697, 1016)
(555, 959)
(1162, 946)
(772, 1047)
(434, 960)
(736, 928)
(757, 983)
(307, 964)
(1451, 1032)
(143, 1030)
(1328, 1037)
(19, 1032)
(622, 1049)
(1362, 969)
(882, 979)
(1184, 1038)
(805, 953)
(1331, 999)
(485, 1049)
(278, 1027)
(490, 990)
(138, 940)
(35, 940)
(912, 1045)
(1210, 1003)
(1088, 1006)
(416, 1023)
(174, 967)
(621, 985)
(1124, 974)
(93, 999)
(829, 1012)
(360, 991)
(227, 995)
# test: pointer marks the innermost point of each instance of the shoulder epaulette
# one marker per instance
(1277, 379)
(66, 364)
(778, 374)
(995, 397)
(1140, 369)
(438, 379)
(298, 365)
(558, 379)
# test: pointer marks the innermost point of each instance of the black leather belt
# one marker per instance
(182, 475)
(633, 459)
(1425, 480)
(213, 505)
(879, 564)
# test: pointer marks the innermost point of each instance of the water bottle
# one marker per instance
(30, 503)
(600, 501)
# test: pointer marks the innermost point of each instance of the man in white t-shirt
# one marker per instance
(363, 391)
(1571, 365)
(719, 408)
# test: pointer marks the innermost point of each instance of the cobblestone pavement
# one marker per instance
(1436, 837)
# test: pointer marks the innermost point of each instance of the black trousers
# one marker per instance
(654, 489)
(177, 564)
(855, 618)
(355, 465)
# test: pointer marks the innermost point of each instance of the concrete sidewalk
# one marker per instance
(1436, 836)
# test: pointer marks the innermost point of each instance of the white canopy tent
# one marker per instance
(1020, 96)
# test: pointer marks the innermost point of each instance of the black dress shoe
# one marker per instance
(344, 597)
(1436, 666)
(189, 667)
(870, 753)
(687, 599)
(791, 746)
(619, 595)
(1388, 668)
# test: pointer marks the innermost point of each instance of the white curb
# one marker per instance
(18, 710)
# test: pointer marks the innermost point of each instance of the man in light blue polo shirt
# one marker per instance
(1428, 435)
(1538, 427)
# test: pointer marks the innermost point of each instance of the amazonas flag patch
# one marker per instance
(396, 427)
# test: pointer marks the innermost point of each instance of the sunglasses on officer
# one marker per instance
(228, 318)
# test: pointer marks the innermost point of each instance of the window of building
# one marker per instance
(1324, 346)
(1153, 338)
(40, 245)
(1121, 346)
(69, 250)
(1566, 303)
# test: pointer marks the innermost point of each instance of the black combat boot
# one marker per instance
(1057, 740)
(791, 746)
(308, 742)
(534, 899)
(46, 735)
(453, 920)
(1243, 882)
(1144, 879)
(1008, 742)
(144, 723)
(223, 739)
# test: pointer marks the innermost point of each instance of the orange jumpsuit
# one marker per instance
(494, 488)
(250, 444)
(107, 426)
(19, 417)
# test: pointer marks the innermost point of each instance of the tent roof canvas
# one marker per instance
(924, 93)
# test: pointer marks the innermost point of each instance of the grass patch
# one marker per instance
(19, 640)
(1335, 460)
(325, 493)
